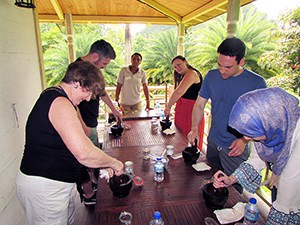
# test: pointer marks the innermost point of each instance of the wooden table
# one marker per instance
(140, 134)
(179, 197)
(139, 115)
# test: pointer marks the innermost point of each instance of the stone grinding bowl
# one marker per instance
(120, 185)
(191, 154)
(116, 130)
(165, 124)
(215, 198)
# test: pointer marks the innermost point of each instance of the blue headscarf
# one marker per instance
(271, 112)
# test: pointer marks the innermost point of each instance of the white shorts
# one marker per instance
(46, 201)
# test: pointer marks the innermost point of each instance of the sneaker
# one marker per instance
(90, 201)
(95, 186)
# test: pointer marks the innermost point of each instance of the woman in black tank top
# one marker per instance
(187, 82)
(56, 145)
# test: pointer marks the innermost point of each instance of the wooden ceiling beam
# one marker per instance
(215, 4)
(160, 8)
(58, 10)
(109, 19)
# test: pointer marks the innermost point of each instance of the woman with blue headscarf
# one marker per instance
(270, 118)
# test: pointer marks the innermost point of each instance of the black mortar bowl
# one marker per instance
(120, 185)
(215, 198)
(190, 155)
(165, 124)
(116, 130)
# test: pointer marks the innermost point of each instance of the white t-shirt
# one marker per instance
(131, 85)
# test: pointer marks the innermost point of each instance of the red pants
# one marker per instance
(183, 118)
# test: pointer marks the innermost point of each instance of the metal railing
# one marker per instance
(160, 93)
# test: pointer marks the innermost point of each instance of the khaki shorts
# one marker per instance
(135, 107)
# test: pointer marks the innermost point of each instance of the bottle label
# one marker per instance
(159, 168)
(251, 215)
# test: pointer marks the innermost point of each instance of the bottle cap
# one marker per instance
(156, 215)
(252, 200)
(159, 158)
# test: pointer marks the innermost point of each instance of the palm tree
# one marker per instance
(56, 56)
(159, 53)
(253, 28)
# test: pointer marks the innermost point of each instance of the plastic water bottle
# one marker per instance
(158, 170)
(157, 220)
(157, 108)
(251, 212)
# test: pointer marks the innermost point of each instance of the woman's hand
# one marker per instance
(274, 179)
(220, 180)
(118, 167)
(106, 173)
(167, 111)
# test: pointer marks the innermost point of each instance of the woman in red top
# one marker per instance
(187, 82)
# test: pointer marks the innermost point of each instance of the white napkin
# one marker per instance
(104, 174)
(231, 215)
(169, 131)
(201, 166)
(177, 155)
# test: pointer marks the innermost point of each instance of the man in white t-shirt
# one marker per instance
(129, 81)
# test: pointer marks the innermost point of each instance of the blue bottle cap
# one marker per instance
(156, 215)
(252, 200)
(159, 158)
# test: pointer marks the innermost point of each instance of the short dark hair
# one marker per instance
(138, 54)
(104, 49)
(88, 76)
(233, 47)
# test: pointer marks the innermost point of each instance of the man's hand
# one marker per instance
(237, 147)
(118, 115)
(192, 136)
(148, 105)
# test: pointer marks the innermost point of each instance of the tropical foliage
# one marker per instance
(253, 28)
(56, 49)
(286, 57)
(271, 49)
(158, 56)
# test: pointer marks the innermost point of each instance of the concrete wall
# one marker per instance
(20, 85)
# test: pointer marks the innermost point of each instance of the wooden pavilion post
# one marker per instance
(127, 44)
(70, 34)
(181, 33)
(233, 13)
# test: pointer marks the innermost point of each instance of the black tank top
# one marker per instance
(192, 92)
(45, 153)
